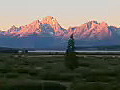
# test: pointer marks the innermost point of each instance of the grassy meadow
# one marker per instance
(26, 72)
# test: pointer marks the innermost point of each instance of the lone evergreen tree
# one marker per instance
(71, 60)
(71, 45)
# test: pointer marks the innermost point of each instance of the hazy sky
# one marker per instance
(67, 12)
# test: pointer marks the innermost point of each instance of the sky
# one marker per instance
(67, 12)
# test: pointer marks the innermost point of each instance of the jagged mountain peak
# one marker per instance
(104, 24)
(49, 20)
(13, 26)
(49, 25)
(14, 29)
(36, 22)
(34, 27)
(53, 23)
(91, 30)
(91, 22)
(96, 22)
(48, 33)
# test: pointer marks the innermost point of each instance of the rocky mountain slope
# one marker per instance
(48, 33)
(91, 30)
(49, 26)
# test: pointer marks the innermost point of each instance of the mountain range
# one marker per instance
(48, 33)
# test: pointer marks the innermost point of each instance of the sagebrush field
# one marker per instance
(28, 72)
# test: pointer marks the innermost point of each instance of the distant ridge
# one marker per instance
(47, 33)
(91, 30)
(49, 26)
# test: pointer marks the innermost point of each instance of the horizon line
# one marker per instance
(5, 28)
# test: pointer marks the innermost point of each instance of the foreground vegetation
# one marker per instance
(50, 73)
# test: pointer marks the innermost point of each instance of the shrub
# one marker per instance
(71, 60)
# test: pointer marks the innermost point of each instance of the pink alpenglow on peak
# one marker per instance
(32, 28)
(59, 31)
(91, 30)
(49, 26)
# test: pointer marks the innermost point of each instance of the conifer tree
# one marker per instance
(71, 60)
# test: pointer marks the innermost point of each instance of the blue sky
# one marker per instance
(67, 12)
